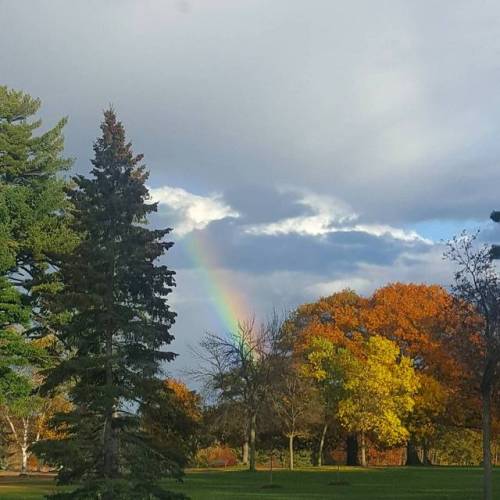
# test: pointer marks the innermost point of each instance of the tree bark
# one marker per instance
(426, 459)
(22, 443)
(253, 432)
(110, 445)
(486, 424)
(363, 449)
(245, 452)
(352, 450)
(290, 451)
(412, 457)
(321, 445)
(24, 460)
(24, 447)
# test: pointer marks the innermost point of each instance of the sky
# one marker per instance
(296, 147)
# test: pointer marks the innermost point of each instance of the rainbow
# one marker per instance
(229, 303)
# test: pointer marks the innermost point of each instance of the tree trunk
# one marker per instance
(21, 443)
(253, 431)
(412, 457)
(321, 445)
(110, 468)
(363, 449)
(486, 423)
(24, 447)
(426, 455)
(352, 450)
(24, 460)
(290, 451)
(245, 452)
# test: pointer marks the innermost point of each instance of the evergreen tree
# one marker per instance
(33, 222)
(33, 203)
(114, 292)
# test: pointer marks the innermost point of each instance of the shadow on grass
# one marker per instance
(338, 483)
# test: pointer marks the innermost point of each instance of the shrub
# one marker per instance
(216, 456)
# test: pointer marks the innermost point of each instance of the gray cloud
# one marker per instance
(392, 108)
(263, 254)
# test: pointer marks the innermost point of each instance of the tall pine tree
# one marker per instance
(33, 223)
(117, 328)
(33, 204)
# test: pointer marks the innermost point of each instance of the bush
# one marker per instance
(457, 446)
(216, 456)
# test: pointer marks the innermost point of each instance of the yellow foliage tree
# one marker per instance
(335, 318)
(374, 384)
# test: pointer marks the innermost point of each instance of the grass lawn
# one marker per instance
(436, 483)
(34, 487)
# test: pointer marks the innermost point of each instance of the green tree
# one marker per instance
(116, 333)
(15, 352)
(33, 203)
(33, 223)
(173, 419)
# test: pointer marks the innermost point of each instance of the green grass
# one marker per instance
(25, 488)
(435, 483)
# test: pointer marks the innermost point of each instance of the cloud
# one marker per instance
(385, 230)
(325, 288)
(193, 211)
(386, 108)
(383, 107)
(326, 212)
(366, 277)
(332, 253)
(329, 215)
(386, 117)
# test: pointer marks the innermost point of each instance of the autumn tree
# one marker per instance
(116, 331)
(421, 319)
(28, 414)
(477, 288)
(336, 318)
(374, 384)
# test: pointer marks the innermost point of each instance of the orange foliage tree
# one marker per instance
(188, 399)
(336, 319)
(424, 321)
(421, 319)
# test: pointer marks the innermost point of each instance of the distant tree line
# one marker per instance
(349, 375)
